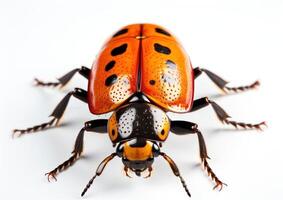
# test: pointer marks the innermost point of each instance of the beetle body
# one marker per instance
(141, 73)
(142, 61)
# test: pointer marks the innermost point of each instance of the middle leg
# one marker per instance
(57, 113)
(222, 115)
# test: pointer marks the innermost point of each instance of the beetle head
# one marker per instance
(137, 154)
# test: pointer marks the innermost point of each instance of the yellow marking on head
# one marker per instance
(138, 153)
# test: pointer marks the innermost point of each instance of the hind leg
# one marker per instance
(57, 113)
(221, 83)
(62, 81)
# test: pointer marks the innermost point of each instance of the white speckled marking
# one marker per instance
(159, 119)
(125, 127)
(171, 84)
(120, 90)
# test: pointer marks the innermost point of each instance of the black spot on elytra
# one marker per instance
(111, 80)
(119, 50)
(161, 49)
(162, 31)
(121, 32)
(113, 132)
(162, 132)
(170, 64)
(109, 65)
(152, 82)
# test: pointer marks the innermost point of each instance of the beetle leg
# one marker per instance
(56, 114)
(204, 156)
(221, 83)
(222, 115)
(183, 128)
(20, 132)
(62, 81)
(76, 153)
(98, 125)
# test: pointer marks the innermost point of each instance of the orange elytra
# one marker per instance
(143, 58)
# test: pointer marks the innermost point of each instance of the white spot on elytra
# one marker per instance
(120, 90)
(171, 86)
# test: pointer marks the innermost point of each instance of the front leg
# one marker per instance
(222, 115)
(184, 128)
(99, 126)
(221, 83)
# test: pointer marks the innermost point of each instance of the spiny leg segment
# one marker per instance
(98, 126)
(223, 116)
(204, 157)
(76, 153)
(184, 128)
(56, 114)
(62, 81)
(222, 84)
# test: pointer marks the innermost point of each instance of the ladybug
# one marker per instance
(141, 73)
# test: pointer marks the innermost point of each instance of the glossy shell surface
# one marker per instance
(141, 58)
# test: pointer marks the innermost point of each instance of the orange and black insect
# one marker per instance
(141, 73)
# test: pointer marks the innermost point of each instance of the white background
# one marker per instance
(239, 40)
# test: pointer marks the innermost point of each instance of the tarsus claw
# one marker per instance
(51, 175)
(220, 185)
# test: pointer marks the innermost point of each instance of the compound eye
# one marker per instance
(120, 150)
(163, 134)
(155, 150)
(126, 162)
